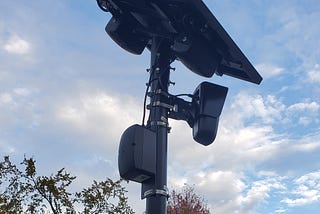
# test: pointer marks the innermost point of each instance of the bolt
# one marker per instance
(184, 39)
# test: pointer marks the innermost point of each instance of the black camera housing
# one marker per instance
(208, 99)
(137, 154)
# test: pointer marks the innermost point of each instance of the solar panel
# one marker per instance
(198, 39)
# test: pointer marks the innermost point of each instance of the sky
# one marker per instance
(67, 93)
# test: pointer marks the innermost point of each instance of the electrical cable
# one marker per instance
(152, 70)
(146, 95)
(145, 100)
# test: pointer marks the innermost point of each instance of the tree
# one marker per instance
(186, 201)
(96, 198)
(23, 191)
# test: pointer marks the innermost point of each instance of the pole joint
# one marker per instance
(153, 192)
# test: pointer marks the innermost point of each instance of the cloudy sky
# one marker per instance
(68, 92)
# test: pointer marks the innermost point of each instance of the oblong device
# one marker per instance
(122, 31)
(209, 99)
(137, 154)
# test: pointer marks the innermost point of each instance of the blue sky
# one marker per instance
(68, 92)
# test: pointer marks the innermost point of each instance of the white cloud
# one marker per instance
(17, 45)
(241, 144)
(264, 173)
(14, 95)
(177, 181)
(308, 106)
(314, 74)
(267, 70)
(271, 110)
(281, 210)
(18, 110)
(100, 114)
(230, 192)
(22, 91)
(304, 121)
(5, 98)
(307, 190)
(260, 191)
(214, 183)
(235, 148)
(292, 19)
(302, 113)
(306, 147)
(6, 149)
(221, 165)
(267, 108)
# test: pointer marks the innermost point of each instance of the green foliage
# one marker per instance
(96, 199)
(186, 202)
(11, 197)
(23, 191)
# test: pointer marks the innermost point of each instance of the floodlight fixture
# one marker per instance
(203, 112)
(209, 99)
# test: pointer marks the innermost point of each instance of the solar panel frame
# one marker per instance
(246, 70)
(165, 18)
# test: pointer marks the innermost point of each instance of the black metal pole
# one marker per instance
(156, 191)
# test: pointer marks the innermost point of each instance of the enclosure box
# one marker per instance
(137, 154)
